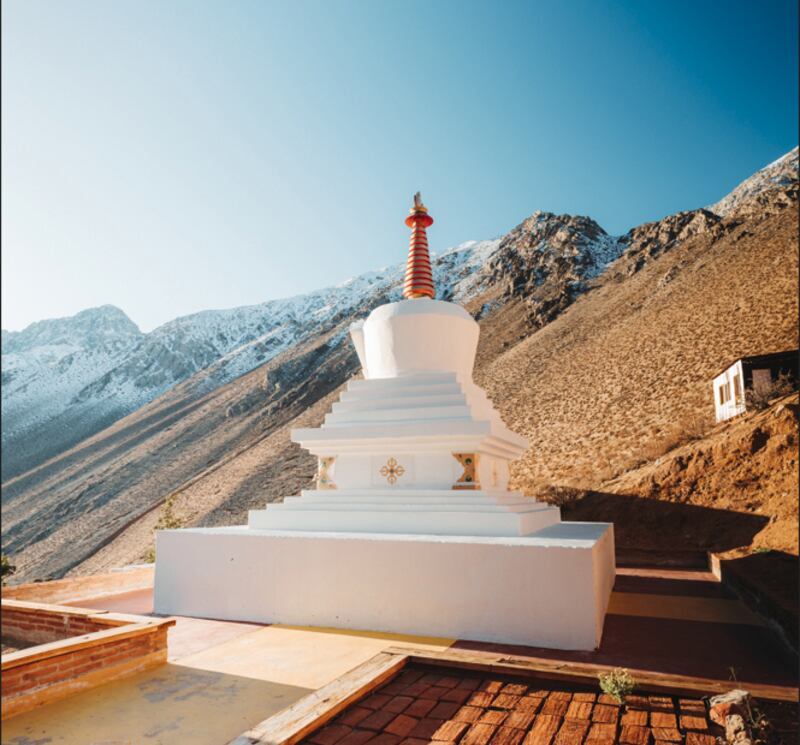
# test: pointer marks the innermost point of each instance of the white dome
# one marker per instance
(415, 336)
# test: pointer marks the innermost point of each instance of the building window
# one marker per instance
(737, 388)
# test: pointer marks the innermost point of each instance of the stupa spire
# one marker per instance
(419, 278)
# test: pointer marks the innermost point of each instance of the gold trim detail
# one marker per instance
(469, 478)
(392, 471)
(324, 476)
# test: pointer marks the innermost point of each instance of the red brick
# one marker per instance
(401, 725)
(579, 710)
(634, 718)
(354, 715)
(357, 737)
(448, 681)
(605, 713)
(571, 732)
(330, 734)
(468, 714)
(602, 734)
(443, 710)
(699, 738)
(398, 704)
(662, 719)
(529, 703)
(691, 705)
(668, 734)
(492, 686)
(384, 738)
(416, 689)
(376, 701)
(694, 721)
(481, 698)
(493, 716)
(414, 741)
(554, 707)
(634, 736)
(408, 676)
(479, 734)
(661, 703)
(420, 707)
(450, 731)
(469, 684)
(394, 688)
(506, 701)
(543, 730)
(508, 736)
(434, 692)
(457, 695)
(520, 719)
(584, 697)
(516, 689)
(425, 728)
(377, 720)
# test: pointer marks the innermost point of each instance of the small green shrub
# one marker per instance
(7, 567)
(168, 520)
(619, 684)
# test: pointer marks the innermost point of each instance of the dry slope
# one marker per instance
(633, 358)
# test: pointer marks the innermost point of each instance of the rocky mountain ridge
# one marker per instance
(225, 344)
(780, 175)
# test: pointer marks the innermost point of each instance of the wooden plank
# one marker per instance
(586, 673)
(75, 643)
(315, 710)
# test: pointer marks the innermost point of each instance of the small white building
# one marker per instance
(748, 373)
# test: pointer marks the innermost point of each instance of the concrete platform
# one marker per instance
(550, 589)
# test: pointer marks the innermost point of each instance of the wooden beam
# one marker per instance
(312, 712)
(586, 673)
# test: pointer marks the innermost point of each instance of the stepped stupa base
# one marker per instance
(550, 589)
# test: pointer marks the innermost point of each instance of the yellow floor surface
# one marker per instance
(684, 608)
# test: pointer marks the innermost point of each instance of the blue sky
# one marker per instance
(169, 156)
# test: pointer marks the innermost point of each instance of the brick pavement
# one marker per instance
(423, 705)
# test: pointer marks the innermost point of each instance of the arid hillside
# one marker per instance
(599, 389)
(734, 486)
(605, 371)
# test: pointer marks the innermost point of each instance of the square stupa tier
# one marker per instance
(411, 527)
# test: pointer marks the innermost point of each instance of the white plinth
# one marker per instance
(550, 589)
(415, 511)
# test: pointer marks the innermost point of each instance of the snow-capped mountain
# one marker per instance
(65, 379)
(781, 173)
(50, 362)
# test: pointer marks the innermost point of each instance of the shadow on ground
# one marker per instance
(657, 525)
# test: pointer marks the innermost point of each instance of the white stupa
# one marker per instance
(411, 527)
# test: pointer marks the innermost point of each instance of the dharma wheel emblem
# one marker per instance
(392, 471)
